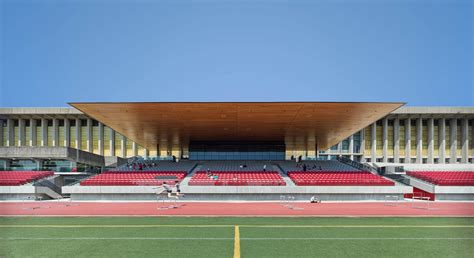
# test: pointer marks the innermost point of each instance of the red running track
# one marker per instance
(52, 208)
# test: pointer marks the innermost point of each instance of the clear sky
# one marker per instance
(54, 52)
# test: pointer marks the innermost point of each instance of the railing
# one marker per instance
(358, 165)
(49, 184)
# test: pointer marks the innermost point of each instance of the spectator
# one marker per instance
(264, 167)
(304, 167)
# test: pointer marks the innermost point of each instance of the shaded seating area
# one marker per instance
(134, 178)
(237, 178)
(451, 178)
(339, 178)
(12, 178)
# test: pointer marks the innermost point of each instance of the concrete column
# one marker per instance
(101, 139)
(135, 149)
(430, 141)
(147, 153)
(339, 148)
(89, 135)
(78, 133)
(385, 139)
(419, 141)
(408, 140)
(55, 132)
(351, 146)
(453, 126)
(1, 132)
(44, 132)
(442, 140)
(123, 146)
(374, 142)
(465, 141)
(21, 132)
(67, 135)
(396, 140)
(112, 142)
(10, 132)
(33, 132)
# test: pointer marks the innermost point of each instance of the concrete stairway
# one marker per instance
(285, 177)
(185, 181)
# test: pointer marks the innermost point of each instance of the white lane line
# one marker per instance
(228, 226)
(115, 238)
(243, 238)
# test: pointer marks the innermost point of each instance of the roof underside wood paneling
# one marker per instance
(174, 123)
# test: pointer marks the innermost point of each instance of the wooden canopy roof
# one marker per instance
(153, 123)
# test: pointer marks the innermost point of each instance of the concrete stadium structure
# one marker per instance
(376, 137)
(420, 135)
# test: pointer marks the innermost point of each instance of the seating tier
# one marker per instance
(237, 178)
(12, 178)
(134, 178)
(453, 178)
(347, 178)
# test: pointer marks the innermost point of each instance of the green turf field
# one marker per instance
(216, 237)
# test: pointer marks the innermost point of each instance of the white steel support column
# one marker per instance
(112, 142)
(408, 140)
(123, 146)
(453, 126)
(147, 153)
(351, 146)
(21, 132)
(33, 132)
(78, 133)
(396, 140)
(135, 149)
(385, 139)
(419, 141)
(465, 141)
(101, 139)
(44, 132)
(89, 135)
(55, 132)
(67, 135)
(374, 142)
(442, 141)
(10, 132)
(362, 145)
(430, 141)
(339, 148)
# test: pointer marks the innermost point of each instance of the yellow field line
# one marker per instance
(228, 226)
(236, 242)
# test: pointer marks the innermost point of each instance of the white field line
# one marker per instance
(232, 226)
(232, 239)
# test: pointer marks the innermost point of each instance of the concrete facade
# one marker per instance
(421, 135)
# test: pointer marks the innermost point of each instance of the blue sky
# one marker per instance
(54, 52)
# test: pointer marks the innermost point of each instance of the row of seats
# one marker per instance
(362, 178)
(154, 165)
(454, 178)
(316, 165)
(237, 178)
(12, 178)
(124, 178)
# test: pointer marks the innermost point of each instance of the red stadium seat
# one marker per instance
(342, 178)
(133, 178)
(237, 178)
(12, 178)
(452, 178)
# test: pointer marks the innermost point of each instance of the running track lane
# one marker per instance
(54, 208)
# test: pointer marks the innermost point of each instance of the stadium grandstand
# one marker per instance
(237, 151)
